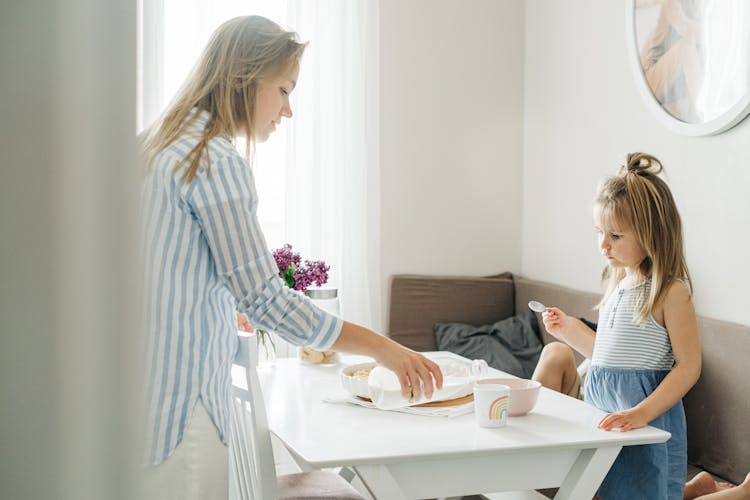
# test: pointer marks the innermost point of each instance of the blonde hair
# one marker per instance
(638, 198)
(224, 82)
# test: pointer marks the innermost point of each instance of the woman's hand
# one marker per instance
(243, 324)
(414, 371)
(626, 420)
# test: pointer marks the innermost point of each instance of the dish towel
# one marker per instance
(435, 411)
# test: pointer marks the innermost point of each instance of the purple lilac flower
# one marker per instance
(311, 272)
(299, 277)
(318, 271)
(285, 257)
(301, 280)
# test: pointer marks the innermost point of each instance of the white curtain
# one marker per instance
(318, 175)
(332, 172)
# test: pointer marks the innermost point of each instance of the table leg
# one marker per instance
(587, 473)
(379, 482)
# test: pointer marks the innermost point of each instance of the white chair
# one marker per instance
(251, 454)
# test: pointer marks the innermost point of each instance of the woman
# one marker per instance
(206, 256)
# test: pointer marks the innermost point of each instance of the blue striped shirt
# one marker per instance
(622, 342)
(205, 253)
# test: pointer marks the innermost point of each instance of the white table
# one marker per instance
(401, 456)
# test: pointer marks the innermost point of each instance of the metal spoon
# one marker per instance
(537, 306)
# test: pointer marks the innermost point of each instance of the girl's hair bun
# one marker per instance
(641, 164)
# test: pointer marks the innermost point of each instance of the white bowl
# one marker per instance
(354, 378)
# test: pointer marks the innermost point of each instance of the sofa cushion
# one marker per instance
(417, 302)
(511, 345)
(718, 406)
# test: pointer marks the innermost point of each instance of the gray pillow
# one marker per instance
(511, 345)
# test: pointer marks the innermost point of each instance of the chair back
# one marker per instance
(251, 454)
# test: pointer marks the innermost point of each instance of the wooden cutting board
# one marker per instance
(450, 402)
(432, 404)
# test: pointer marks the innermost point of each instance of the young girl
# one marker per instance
(645, 354)
(205, 255)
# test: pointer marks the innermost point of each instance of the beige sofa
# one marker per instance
(717, 408)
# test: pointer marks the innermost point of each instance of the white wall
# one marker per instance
(497, 124)
(451, 119)
(582, 115)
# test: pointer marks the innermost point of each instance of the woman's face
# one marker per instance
(272, 101)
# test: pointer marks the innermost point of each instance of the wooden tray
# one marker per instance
(433, 404)
(449, 402)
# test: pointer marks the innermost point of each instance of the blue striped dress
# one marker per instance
(204, 254)
(630, 360)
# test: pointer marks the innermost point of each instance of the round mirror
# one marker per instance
(692, 61)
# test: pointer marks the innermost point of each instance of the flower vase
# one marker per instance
(266, 349)
(328, 300)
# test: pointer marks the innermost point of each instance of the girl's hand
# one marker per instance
(243, 324)
(556, 322)
(626, 420)
(570, 330)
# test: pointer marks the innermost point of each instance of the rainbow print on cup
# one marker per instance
(491, 404)
(498, 409)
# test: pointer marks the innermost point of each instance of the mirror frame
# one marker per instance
(721, 123)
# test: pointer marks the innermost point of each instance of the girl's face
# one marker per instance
(272, 102)
(618, 242)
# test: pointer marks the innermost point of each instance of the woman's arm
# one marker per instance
(682, 326)
(410, 367)
(570, 330)
(225, 204)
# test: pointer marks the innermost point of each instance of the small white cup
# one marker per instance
(491, 404)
